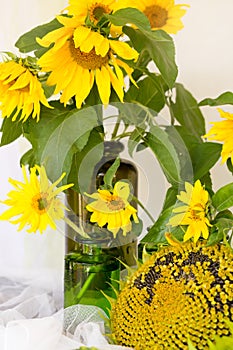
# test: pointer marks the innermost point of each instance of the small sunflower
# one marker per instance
(81, 56)
(180, 294)
(20, 91)
(162, 14)
(193, 213)
(92, 8)
(222, 131)
(112, 208)
(35, 201)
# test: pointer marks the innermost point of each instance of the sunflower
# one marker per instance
(222, 131)
(112, 208)
(162, 14)
(93, 9)
(20, 91)
(81, 56)
(35, 201)
(193, 213)
(180, 294)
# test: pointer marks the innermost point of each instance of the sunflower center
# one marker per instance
(196, 215)
(157, 16)
(40, 203)
(115, 203)
(168, 301)
(97, 10)
(88, 60)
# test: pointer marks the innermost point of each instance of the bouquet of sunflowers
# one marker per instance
(56, 93)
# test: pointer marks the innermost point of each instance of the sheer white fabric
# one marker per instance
(31, 318)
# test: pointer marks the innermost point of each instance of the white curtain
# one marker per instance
(21, 253)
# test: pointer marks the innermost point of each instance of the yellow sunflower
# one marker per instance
(34, 201)
(112, 208)
(81, 56)
(93, 8)
(193, 213)
(20, 91)
(180, 294)
(222, 131)
(162, 14)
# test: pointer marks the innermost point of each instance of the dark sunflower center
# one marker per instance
(40, 203)
(116, 203)
(97, 11)
(88, 60)
(157, 16)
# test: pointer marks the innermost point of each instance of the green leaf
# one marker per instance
(147, 93)
(134, 139)
(28, 158)
(10, 131)
(215, 237)
(224, 99)
(183, 153)
(27, 42)
(158, 140)
(223, 198)
(204, 156)
(229, 165)
(161, 49)
(59, 134)
(157, 231)
(221, 228)
(129, 16)
(110, 173)
(171, 197)
(84, 163)
(187, 112)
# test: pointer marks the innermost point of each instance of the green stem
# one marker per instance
(145, 210)
(85, 287)
(115, 130)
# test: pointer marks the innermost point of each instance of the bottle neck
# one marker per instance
(113, 148)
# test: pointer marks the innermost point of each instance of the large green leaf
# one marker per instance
(27, 42)
(161, 49)
(59, 135)
(204, 156)
(183, 153)
(187, 112)
(10, 131)
(158, 140)
(156, 233)
(223, 99)
(223, 198)
(84, 162)
(129, 16)
(147, 94)
(171, 197)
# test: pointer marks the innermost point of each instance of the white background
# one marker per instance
(204, 57)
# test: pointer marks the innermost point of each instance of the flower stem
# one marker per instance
(145, 210)
(115, 130)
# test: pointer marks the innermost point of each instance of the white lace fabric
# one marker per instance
(31, 318)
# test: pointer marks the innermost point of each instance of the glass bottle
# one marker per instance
(91, 264)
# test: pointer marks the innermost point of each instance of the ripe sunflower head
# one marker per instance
(180, 294)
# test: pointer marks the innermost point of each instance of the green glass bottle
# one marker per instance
(92, 265)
